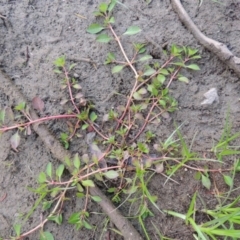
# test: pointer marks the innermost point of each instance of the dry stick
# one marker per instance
(1, 16)
(215, 47)
(127, 230)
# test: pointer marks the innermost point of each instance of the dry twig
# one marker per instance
(1, 16)
(214, 46)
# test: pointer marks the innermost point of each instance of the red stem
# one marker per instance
(70, 90)
(123, 52)
(38, 120)
(146, 121)
(176, 72)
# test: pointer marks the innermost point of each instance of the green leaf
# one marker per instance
(79, 187)
(96, 198)
(93, 116)
(191, 51)
(85, 126)
(87, 225)
(46, 205)
(191, 208)
(15, 140)
(17, 229)
(103, 7)
(206, 182)
(183, 79)
(56, 218)
(49, 169)
(103, 38)
(142, 50)
(228, 180)
(164, 71)
(55, 192)
(175, 51)
(227, 152)
(161, 78)
(117, 68)
(94, 28)
(137, 96)
(46, 236)
(87, 183)
(162, 103)
(60, 170)
(154, 92)
(131, 190)
(80, 194)
(180, 64)
(111, 190)
(85, 158)
(110, 58)
(57, 71)
(76, 161)
(193, 67)
(74, 218)
(132, 30)
(112, 5)
(42, 177)
(151, 88)
(2, 115)
(142, 91)
(165, 91)
(59, 62)
(98, 14)
(77, 86)
(72, 66)
(111, 20)
(237, 166)
(149, 72)
(197, 175)
(196, 57)
(111, 174)
(143, 147)
(145, 58)
(176, 214)
(20, 106)
(68, 161)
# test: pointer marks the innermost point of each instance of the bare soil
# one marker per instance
(47, 29)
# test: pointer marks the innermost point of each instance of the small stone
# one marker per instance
(211, 96)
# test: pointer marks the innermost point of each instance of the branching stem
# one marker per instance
(70, 89)
(123, 51)
(3, 129)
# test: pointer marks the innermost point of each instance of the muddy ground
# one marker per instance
(51, 28)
